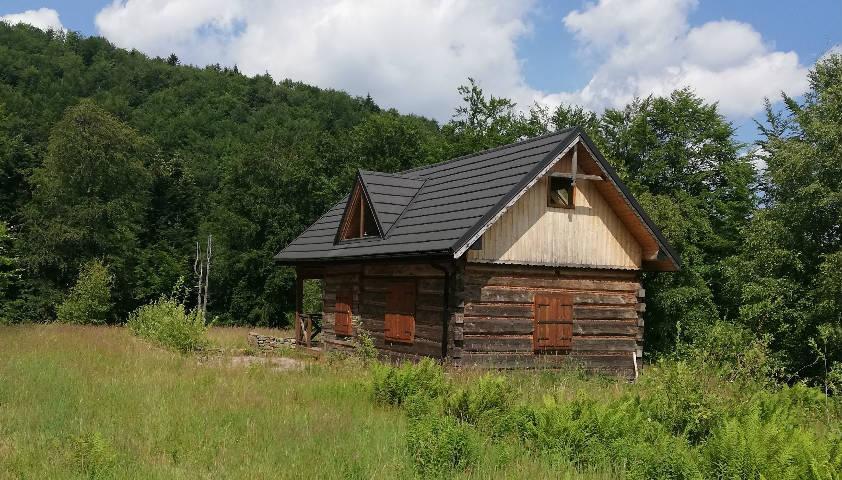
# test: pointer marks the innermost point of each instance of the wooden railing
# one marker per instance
(308, 325)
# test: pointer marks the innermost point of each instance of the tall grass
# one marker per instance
(98, 402)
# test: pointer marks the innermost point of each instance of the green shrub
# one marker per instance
(94, 455)
(733, 352)
(89, 301)
(167, 323)
(485, 401)
(677, 395)
(393, 385)
(364, 347)
(440, 445)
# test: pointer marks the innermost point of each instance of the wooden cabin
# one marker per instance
(526, 255)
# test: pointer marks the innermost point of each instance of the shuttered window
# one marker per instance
(553, 330)
(342, 313)
(400, 313)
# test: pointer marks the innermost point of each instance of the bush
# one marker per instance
(733, 352)
(487, 400)
(167, 323)
(677, 395)
(364, 347)
(393, 385)
(439, 445)
(89, 301)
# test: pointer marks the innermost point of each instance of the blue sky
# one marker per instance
(412, 55)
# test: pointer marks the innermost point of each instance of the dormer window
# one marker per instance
(560, 192)
(359, 220)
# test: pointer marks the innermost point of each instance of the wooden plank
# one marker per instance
(616, 344)
(534, 271)
(498, 344)
(598, 313)
(499, 310)
(554, 283)
(525, 295)
(578, 176)
(431, 285)
(605, 327)
(420, 346)
(496, 326)
(402, 270)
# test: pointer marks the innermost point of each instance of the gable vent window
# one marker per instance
(359, 223)
(560, 192)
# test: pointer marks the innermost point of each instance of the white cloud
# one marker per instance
(43, 18)
(413, 54)
(647, 47)
(408, 54)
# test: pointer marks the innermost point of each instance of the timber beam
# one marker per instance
(578, 176)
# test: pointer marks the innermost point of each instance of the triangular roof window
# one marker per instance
(359, 220)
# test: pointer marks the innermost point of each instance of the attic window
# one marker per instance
(359, 221)
(560, 192)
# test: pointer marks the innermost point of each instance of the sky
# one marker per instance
(413, 54)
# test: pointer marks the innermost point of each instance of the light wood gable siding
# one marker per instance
(498, 319)
(531, 233)
(370, 284)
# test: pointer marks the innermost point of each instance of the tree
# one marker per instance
(89, 197)
(16, 159)
(89, 301)
(681, 160)
(481, 123)
(10, 277)
(786, 275)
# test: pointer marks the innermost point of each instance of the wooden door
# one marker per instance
(342, 313)
(553, 327)
(399, 321)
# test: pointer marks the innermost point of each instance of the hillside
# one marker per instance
(230, 155)
(117, 163)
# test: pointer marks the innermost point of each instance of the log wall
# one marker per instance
(369, 284)
(491, 321)
(497, 321)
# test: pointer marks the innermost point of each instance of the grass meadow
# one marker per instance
(97, 402)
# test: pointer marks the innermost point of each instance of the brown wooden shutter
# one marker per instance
(399, 321)
(553, 329)
(342, 313)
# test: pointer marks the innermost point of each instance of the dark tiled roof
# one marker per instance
(435, 210)
(389, 194)
(431, 210)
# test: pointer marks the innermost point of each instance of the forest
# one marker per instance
(114, 164)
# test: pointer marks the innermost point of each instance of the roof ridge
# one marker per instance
(489, 150)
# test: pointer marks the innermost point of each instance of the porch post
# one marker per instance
(299, 301)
